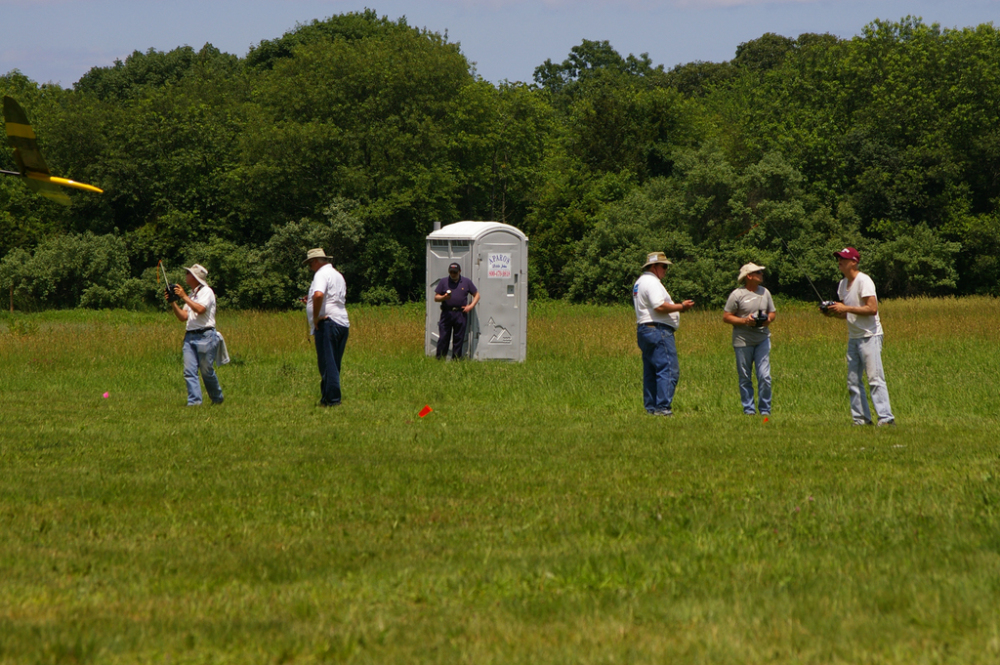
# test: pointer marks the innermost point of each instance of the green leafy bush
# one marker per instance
(70, 270)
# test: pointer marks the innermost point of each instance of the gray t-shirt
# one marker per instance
(742, 303)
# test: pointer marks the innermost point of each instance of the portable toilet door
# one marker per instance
(495, 257)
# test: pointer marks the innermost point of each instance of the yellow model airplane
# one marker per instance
(30, 164)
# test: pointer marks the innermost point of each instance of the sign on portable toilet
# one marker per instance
(495, 257)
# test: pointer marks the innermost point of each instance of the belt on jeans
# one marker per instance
(449, 308)
(198, 331)
(658, 325)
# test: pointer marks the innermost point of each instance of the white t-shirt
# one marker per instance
(859, 326)
(204, 296)
(331, 284)
(648, 293)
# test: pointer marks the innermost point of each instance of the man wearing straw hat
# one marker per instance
(750, 311)
(657, 318)
(201, 341)
(330, 325)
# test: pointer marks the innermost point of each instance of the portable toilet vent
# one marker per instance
(495, 257)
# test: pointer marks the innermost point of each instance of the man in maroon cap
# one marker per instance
(859, 305)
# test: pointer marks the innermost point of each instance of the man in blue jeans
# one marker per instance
(330, 325)
(859, 305)
(750, 311)
(201, 341)
(657, 318)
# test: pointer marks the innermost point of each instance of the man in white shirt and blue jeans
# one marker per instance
(201, 341)
(328, 300)
(859, 305)
(657, 317)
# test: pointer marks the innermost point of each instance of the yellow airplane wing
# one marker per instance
(30, 163)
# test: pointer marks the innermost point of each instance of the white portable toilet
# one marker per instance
(495, 257)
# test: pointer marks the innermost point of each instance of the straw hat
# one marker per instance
(656, 257)
(747, 269)
(199, 272)
(317, 253)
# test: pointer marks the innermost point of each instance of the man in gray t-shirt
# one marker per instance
(750, 311)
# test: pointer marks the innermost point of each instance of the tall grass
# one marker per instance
(536, 515)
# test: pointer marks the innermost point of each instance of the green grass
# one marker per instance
(537, 515)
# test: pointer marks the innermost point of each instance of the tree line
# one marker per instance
(356, 133)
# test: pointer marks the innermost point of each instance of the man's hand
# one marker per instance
(181, 293)
(467, 309)
(837, 308)
(686, 305)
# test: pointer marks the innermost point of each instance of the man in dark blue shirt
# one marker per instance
(453, 294)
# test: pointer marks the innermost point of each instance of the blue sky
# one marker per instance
(59, 40)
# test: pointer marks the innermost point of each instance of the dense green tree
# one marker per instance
(595, 59)
(71, 270)
(621, 123)
(764, 53)
(370, 120)
(697, 79)
(356, 133)
(348, 27)
(156, 69)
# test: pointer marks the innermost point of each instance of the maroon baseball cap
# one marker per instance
(848, 253)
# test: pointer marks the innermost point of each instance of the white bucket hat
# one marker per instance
(656, 257)
(199, 272)
(747, 269)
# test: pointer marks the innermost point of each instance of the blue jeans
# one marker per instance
(330, 342)
(199, 351)
(865, 355)
(760, 357)
(660, 370)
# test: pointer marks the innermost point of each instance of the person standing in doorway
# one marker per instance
(453, 294)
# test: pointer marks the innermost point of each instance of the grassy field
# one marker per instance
(537, 515)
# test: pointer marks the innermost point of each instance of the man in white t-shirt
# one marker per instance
(657, 318)
(327, 302)
(201, 341)
(859, 305)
